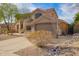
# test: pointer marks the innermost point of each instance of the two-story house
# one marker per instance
(40, 20)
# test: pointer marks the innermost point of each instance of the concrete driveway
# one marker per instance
(7, 47)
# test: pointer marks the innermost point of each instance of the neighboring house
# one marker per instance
(40, 20)
(3, 28)
(63, 26)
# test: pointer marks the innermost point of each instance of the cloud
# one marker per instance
(68, 12)
(32, 7)
(25, 7)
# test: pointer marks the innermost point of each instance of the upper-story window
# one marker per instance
(37, 15)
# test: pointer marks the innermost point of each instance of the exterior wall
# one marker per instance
(41, 26)
(25, 24)
(47, 14)
(18, 27)
(63, 27)
(32, 28)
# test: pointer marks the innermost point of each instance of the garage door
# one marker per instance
(45, 26)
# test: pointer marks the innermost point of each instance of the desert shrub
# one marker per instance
(40, 38)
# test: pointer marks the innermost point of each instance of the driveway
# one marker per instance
(7, 47)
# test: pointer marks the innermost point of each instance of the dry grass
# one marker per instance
(40, 38)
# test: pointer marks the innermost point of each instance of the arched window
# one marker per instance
(37, 15)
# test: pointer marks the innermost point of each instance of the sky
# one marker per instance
(65, 11)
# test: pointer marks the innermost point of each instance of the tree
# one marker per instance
(76, 23)
(20, 16)
(7, 13)
(76, 18)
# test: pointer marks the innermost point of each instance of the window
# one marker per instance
(28, 28)
(37, 15)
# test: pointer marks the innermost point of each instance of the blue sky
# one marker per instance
(65, 11)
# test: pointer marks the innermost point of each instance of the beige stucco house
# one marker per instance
(40, 20)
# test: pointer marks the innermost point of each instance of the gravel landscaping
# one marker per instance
(63, 46)
(53, 51)
(62, 51)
